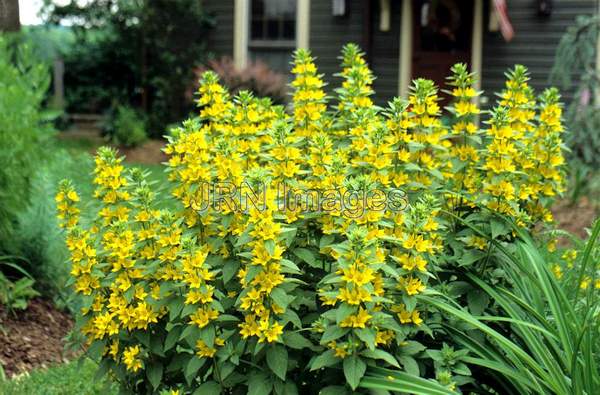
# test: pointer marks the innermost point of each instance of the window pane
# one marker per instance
(273, 20)
(289, 29)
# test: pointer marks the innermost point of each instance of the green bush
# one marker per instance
(138, 52)
(37, 237)
(23, 128)
(126, 127)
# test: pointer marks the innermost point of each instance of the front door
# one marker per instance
(441, 37)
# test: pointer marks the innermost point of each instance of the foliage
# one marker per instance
(126, 127)
(37, 237)
(68, 379)
(544, 337)
(256, 77)
(15, 295)
(138, 52)
(575, 68)
(23, 128)
(251, 283)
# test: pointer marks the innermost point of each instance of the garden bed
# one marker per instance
(34, 338)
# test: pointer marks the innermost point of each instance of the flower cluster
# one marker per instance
(255, 291)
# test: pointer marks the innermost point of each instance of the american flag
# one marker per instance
(505, 26)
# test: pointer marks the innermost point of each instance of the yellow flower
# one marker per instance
(130, 358)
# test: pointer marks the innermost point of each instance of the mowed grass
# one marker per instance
(72, 378)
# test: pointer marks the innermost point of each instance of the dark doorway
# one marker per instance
(441, 37)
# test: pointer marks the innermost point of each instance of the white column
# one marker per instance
(477, 43)
(302, 24)
(406, 42)
(241, 29)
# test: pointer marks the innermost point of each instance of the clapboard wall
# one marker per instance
(533, 45)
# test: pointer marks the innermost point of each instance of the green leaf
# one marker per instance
(477, 301)
(270, 247)
(280, 297)
(334, 390)
(229, 269)
(296, 341)
(289, 234)
(306, 255)
(192, 368)
(411, 348)
(498, 228)
(328, 358)
(354, 370)
(277, 360)
(332, 333)
(381, 354)
(367, 335)
(400, 382)
(172, 337)
(471, 256)
(154, 374)
(410, 365)
(259, 384)
(436, 355)
(208, 388)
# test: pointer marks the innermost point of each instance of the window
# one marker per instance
(273, 23)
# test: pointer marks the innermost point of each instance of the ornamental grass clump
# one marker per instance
(303, 241)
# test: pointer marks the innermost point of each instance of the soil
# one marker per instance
(575, 218)
(148, 153)
(34, 338)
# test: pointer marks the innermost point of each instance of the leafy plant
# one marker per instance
(141, 53)
(256, 77)
(575, 69)
(126, 127)
(15, 295)
(240, 287)
(37, 236)
(23, 128)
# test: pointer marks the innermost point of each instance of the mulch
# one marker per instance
(34, 338)
(149, 152)
(575, 218)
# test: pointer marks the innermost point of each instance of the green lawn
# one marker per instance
(68, 379)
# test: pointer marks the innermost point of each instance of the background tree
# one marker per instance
(141, 53)
(9, 15)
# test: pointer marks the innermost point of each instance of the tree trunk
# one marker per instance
(9, 16)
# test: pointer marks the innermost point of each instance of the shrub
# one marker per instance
(138, 52)
(305, 246)
(15, 295)
(37, 236)
(23, 128)
(256, 77)
(126, 127)
(575, 69)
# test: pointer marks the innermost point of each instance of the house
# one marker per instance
(403, 39)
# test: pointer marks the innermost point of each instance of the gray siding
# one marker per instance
(385, 54)
(220, 38)
(533, 45)
(328, 34)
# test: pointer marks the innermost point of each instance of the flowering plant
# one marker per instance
(257, 292)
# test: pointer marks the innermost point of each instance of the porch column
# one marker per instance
(406, 41)
(477, 44)
(303, 24)
(241, 28)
